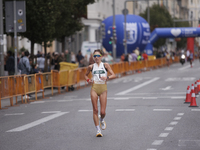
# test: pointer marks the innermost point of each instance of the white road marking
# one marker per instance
(167, 88)
(37, 122)
(162, 109)
(163, 134)
(180, 114)
(157, 142)
(181, 79)
(177, 93)
(173, 123)
(121, 98)
(151, 149)
(178, 97)
(65, 100)
(177, 118)
(51, 112)
(15, 114)
(149, 98)
(137, 87)
(169, 128)
(84, 110)
(183, 68)
(37, 102)
(125, 110)
(195, 109)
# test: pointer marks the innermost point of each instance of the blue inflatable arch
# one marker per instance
(170, 33)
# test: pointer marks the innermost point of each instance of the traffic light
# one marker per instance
(114, 31)
(103, 30)
(110, 40)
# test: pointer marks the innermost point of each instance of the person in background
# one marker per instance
(145, 56)
(79, 58)
(22, 54)
(62, 57)
(24, 64)
(139, 57)
(134, 56)
(52, 61)
(85, 61)
(35, 69)
(41, 63)
(130, 59)
(57, 61)
(167, 58)
(188, 55)
(10, 63)
(137, 52)
(191, 58)
(73, 58)
(91, 60)
(67, 56)
(122, 58)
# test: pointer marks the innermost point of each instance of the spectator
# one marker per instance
(10, 63)
(22, 55)
(24, 64)
(35, 69)
(158, 55)
(41, 63)
(52, 61)
(122, 57)
(73, 58)
(85, 61)
(79, 58)
(130, 59)
(139, 57)
(137, 52)
(57, 61)
(145, 56)
(134, 56)
(67, 56)
(62, 57)
(91, 60)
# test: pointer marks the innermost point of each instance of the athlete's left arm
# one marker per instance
(112, 74)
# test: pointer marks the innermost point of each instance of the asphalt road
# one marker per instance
(145, 111)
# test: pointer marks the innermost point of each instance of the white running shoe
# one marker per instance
(99, 134)
(102, 123)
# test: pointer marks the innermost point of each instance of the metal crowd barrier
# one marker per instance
(14, 86)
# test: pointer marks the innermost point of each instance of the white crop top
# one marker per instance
(98, 72)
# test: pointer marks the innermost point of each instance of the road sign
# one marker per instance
(20, 16)
(125, 11)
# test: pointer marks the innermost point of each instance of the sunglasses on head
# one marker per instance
(96, 56)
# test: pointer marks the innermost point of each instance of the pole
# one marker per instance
(134, 8)
(125, 43)
(15, 35)
(148, 14)
(114, 36)
(1, 40)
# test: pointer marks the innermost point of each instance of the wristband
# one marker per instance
(107, 77)
(88, 80)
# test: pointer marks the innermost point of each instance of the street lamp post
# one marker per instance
(125, 38)
(114, 33)
(1, 40)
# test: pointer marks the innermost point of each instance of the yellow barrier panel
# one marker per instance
(30, 85)
(47, 81)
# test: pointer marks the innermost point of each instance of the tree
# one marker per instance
(159, 17)
(68, 22)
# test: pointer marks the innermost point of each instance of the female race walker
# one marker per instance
(99, 89)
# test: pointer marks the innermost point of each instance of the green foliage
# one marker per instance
(159, 17)
(11, 49)
(23, 49)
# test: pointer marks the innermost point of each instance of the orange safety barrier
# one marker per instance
(39, 87)
(30, 85)
(48, 81)
(55, 79)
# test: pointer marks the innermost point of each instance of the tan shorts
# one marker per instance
(99, 88)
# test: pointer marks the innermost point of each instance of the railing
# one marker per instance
(22, 85)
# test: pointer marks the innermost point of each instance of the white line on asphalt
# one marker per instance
(173, 123)
(162, 109)
(137, 87)
(84, 110)
(37, 122)
(155, 93)
(178, 97)
(163, 134)
(149, 98)
(169, 128)
(157, 142)
(65, 100)
(195, 109)
(50, 112)
(180, 114)
(125, 110)
(121, 98)
(177, 118)
(15, 114)
(185, 67)
(151, 149)
(38, 102)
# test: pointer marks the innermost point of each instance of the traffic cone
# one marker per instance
(188, 96)
(192, 88)
(193, 100)
(198, 85)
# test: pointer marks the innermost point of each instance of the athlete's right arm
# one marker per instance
(87, 73)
